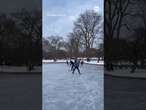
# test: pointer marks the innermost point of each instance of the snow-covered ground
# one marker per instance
(94, 61)
(63, 90)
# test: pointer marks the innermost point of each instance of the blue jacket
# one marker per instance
(76, 63)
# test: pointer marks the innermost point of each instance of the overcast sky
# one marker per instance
(59, 15)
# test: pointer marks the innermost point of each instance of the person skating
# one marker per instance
(82, 62)
(71, 64)
(76, 66)
(67, 62)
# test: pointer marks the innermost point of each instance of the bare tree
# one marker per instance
(115, 13)
(55, 42)
(141, 11)
(20, 29)
(74, 43)
(88, 25)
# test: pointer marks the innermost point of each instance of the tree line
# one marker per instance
(125, 32)
(85, 40)
(21, 38)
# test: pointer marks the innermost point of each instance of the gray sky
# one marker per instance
(59, 15)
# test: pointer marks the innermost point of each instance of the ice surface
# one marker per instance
(64, 91)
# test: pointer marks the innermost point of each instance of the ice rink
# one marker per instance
(63, 90)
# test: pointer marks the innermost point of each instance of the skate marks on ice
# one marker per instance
(63, 90)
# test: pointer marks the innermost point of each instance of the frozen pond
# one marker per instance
(63, 90)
